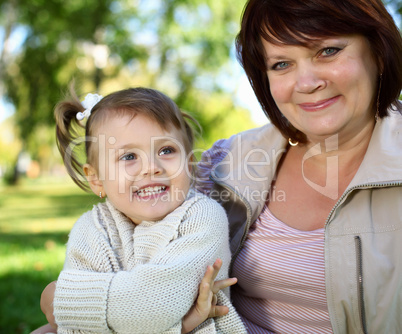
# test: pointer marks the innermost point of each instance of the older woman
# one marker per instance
(314, 199)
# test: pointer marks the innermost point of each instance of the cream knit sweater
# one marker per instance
(124, 278)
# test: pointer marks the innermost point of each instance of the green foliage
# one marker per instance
(56, 35)
(180, 47)
(9, 143)
(35, 219)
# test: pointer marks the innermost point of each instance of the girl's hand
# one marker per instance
(205, 306)
(46, 303)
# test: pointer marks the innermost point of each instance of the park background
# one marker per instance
(184, 48)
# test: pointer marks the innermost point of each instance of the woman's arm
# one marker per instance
(46, 329)
(209, 159)
(46, 303)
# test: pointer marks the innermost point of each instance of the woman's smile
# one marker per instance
(319, 105)
(324, 93)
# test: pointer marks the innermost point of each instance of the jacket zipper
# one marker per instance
(360, 287)
(359, 255)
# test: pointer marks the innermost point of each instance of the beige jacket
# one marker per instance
(363, 232)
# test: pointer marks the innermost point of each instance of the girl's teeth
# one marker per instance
(150, 191)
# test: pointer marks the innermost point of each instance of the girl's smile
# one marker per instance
(143, 168)
(150, 191)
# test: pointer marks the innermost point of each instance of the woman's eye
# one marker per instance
(280, 65)
(166, 150)
(329, 51)
(129, 156)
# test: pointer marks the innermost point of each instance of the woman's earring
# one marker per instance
(377, 113)
(100, 195)
(293, 143)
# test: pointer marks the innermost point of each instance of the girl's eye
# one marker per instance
(330, 51)
(280, 65)
(166, 150)
(129, 156)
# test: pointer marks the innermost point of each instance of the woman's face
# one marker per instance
(326, 89)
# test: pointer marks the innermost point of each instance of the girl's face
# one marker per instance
(326, 89)
(143, 168)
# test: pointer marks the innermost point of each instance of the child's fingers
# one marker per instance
(216, 267)
(211, 273)
(207, 298)
(208, 277)
(219, 285)
(204, 299)
(200, 311)
(205, 288)
(218, 310)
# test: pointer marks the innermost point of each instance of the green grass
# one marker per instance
(35, 218)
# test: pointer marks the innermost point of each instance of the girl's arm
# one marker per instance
(204, 307)
(154, 295)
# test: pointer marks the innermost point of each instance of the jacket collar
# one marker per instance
(249, 166)
(382, 162)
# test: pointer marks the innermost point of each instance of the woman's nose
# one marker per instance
(308, 79)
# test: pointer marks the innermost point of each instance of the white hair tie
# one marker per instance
(89, 102)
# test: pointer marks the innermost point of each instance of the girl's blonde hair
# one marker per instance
(71, 133)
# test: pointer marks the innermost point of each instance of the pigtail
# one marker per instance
(70, 135)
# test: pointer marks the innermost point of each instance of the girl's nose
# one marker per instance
(309, 80)
(151, 166)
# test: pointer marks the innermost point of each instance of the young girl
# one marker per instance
(135, 261)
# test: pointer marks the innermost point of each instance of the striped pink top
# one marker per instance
(280, 270)
(281, 286)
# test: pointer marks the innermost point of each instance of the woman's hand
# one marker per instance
(46, 303)
(47, 329)
(205, 306)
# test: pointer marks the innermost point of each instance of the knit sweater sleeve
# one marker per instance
(88, 249)
(153, 296)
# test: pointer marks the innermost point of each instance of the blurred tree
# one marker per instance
(192, 44)
(57, 34)
(9, 148)
(179, 46)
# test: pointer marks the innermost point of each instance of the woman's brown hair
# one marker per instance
(71, 134)
(302, 22)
